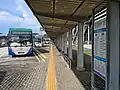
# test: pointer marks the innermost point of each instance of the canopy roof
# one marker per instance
(59, 16)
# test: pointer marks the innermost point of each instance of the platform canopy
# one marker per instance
(59, 16)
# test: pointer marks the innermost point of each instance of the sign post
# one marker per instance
(41, 29)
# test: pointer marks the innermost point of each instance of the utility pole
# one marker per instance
(41, 29)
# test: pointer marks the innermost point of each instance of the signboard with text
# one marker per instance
(100, 47)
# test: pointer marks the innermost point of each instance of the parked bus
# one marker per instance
(37, 40)
(20, 41)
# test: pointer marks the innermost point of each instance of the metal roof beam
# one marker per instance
(62, 16)
(56, 30)
(58, 25)
(53, 34)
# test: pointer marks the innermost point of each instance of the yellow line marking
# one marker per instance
(51, 79)
(41, 57)
(44, 56)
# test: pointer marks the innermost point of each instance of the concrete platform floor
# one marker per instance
(33, 75)
(85, 76)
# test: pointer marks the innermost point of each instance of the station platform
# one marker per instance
(45, 71)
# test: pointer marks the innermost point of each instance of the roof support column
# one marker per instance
(62, 37)
(88, 35)
(59, 42)
(113, 45)
(54, 41)
(65, 43)
(80, 59)
(70, 44)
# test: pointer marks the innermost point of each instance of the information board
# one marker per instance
(100, 47)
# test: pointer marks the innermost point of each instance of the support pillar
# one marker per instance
(59, 42)
(55, 42)
(65, 43)
(88, 35)
(70, 44)
(62, 43)
(80, 59)
(113, 46)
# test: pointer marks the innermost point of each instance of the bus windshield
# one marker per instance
(20, 41)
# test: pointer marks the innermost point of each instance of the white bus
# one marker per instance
(20, 41)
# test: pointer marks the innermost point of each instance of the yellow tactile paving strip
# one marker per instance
(51, 80)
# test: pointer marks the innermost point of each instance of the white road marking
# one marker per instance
(40, 55)
(37, 57)
(41, 58)
(26, 57)
(16, 58)
(1, 55)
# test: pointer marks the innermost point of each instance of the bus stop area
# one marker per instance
(60, 17)
(47, 71)
(83, 53)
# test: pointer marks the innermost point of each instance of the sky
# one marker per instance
(17, 14)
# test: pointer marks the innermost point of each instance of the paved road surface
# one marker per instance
(26, 73)
(5, 59)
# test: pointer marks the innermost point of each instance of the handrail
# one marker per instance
(67, 59)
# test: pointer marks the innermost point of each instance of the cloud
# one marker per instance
(21, 6)
(3, 13)
(28, 20)
(10, 7)
(7, 17)
(8, 20)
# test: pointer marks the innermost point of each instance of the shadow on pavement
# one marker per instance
(2, 75)
(83, 76)
(42, 50)
(23, 56)
(46, 45)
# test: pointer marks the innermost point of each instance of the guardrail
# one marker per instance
(67, 59)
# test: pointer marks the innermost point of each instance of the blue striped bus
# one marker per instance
(20, 41)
